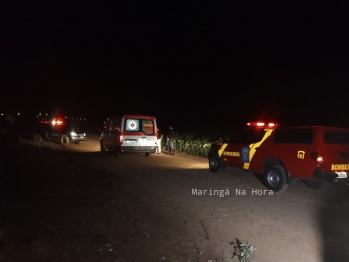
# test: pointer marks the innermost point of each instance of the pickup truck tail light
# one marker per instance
(319, 160)
(316, 156)
(121, 139)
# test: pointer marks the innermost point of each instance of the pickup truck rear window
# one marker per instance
(340, 138)
(293, 136)
(247, 136)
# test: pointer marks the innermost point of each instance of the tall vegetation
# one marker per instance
(190, 144)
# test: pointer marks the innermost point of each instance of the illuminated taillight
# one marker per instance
(319, 160)
(317, 157)
(121, 139)
(271, 124)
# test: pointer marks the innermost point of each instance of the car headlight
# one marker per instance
(73, 134)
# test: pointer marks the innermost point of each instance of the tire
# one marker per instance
(214, 163)
(147, 154)
(65, 140)
(115, 151)
(101, 146)
(314, 184)
(275, 178)
(77, 142)
(37, 137)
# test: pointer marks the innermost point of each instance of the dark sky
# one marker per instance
(189, 63)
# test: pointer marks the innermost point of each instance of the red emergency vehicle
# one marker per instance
(315, 154)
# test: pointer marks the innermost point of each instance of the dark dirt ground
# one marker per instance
(78, 204)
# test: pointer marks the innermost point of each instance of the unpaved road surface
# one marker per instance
(78, 204)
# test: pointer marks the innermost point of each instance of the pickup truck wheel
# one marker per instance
(37, 137)
(101, 146)
(147, 154)
(214, 163)
(315, 184)
(275, 178)
(65, 140)
(115, 151)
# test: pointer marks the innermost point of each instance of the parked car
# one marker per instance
(52, 129)
(314, 154)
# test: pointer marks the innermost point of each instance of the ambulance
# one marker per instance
(129, 134)
(313, 154)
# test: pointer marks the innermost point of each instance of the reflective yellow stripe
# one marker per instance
(254, 146)
(220, 152)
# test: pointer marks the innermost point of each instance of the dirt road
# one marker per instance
(78, 204)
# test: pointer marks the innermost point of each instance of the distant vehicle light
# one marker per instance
(73, 134)
(58, 122)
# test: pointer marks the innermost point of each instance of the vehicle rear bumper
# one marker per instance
(137, 149)
(77, 138)
(328, 175)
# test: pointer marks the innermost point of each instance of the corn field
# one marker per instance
(190, 144)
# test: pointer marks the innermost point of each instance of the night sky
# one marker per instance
(190, 64)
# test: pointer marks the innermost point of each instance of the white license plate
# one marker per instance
(341, 174)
